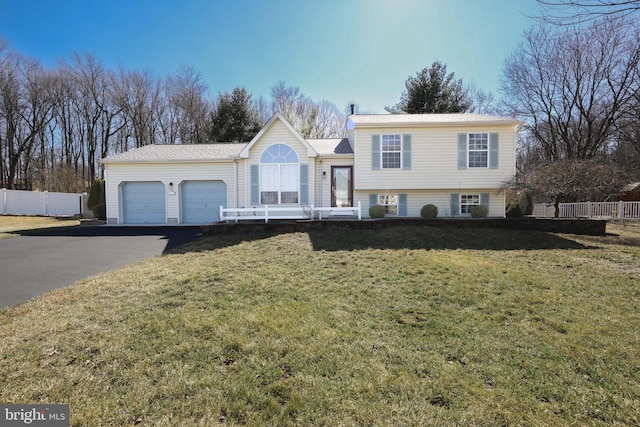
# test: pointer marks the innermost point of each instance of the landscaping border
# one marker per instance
(588, 227)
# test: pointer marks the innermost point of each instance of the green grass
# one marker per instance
(404, 326)
(16, 225)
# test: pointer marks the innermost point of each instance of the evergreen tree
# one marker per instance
(234, 119)
(432, 90)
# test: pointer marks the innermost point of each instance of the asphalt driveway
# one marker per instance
(33, 265)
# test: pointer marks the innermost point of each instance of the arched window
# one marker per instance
(279, 175)
(279, 153)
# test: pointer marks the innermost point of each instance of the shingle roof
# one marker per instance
(365, 120)
(165, 153)
(177, 152)
(330, 146)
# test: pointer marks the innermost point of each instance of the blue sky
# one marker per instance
(338, 50)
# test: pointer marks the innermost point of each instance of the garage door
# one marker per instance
(201, 201)
(143, 203)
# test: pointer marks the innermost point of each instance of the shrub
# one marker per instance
(100, 211)
(514, 211)
(479, 211)
(377, 211)
(96, 195)
(429, 211)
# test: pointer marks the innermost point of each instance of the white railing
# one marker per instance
(609, 210)
(605, 210)
(267, 212)
(42, 203)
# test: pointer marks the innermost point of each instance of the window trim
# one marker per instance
(475, 150)
(469, 205)
(399, 151)
(279, 165)
(390, 208)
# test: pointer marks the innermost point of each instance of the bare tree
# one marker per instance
(572, 12)
(10, 97)
(573, 87)
(5, 74)
(570, 181)
(285, 100)
(138, 95)
(25, 112)
(482, 102)
(93, 103)
(167, 117)
(66, 137)
(187, 91)
(262, 109)
(626, 151)
(56, 124)
(38, 103)
(329, 121)
(312, 120)
(111, 120)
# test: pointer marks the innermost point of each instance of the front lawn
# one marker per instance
(402, 326)
(14, 225)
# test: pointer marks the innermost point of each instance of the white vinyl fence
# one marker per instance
(41, 203)
(543, 210)
(600, 210)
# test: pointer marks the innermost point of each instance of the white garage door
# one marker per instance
(201, 201)
(143, 203)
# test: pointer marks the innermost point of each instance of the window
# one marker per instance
(467, 201)
(279, 175)
(391, 151)
(390, 202)
(478, 150)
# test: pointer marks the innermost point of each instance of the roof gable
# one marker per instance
(311, 152)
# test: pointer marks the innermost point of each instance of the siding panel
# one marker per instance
(175, 174)
(278, 133)
(434, 160)
(416, 199)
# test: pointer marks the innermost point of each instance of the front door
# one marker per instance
(341, 186)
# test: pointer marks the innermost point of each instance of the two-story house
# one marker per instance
(402, 162)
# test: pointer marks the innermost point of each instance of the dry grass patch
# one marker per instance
(407, 326)
(14, 225)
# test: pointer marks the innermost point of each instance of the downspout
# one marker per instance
(235, 179)
(321, 182)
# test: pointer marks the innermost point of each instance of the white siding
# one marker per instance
(278, 133)
(416, 199)
(433, 177)
(176, 173)
(434, 160)
(323, 182)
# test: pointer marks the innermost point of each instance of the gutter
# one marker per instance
(438, 124)
(165, 161)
